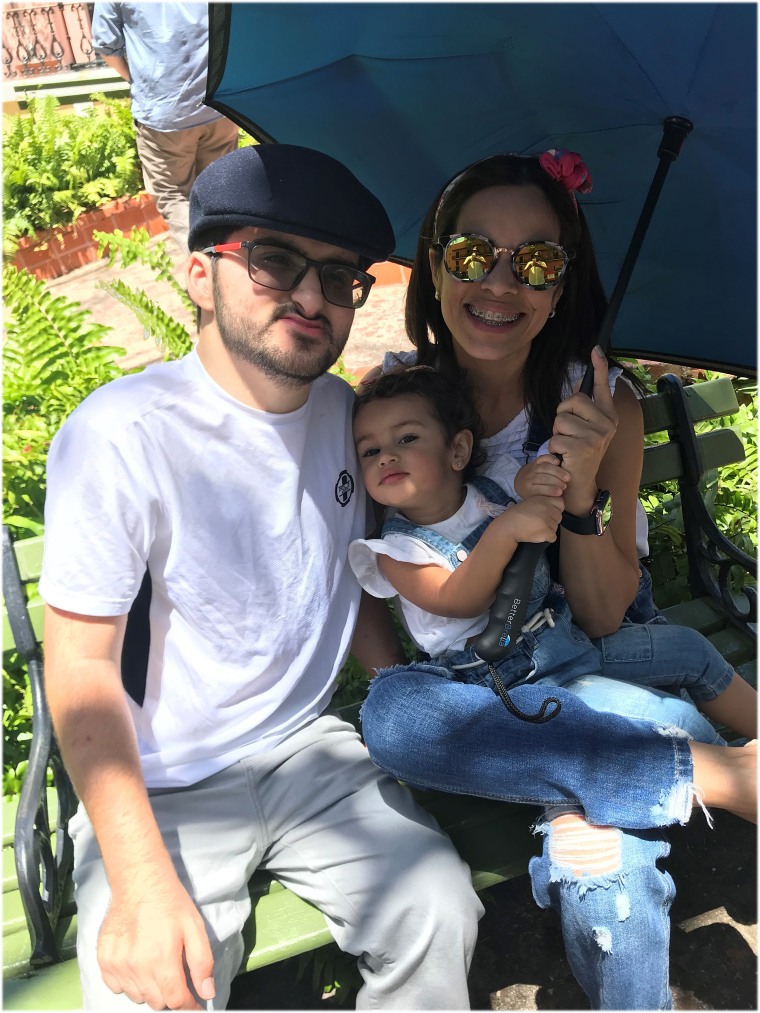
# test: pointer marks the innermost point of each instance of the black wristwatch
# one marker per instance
(596, 522)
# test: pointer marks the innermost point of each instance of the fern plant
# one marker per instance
(171, 335)
(54, 357)
(58, 164)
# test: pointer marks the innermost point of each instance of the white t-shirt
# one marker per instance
(431, 633)
(243, 519)
(511, 438)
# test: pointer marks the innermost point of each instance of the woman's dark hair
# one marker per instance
(451, 404)
(569, 335)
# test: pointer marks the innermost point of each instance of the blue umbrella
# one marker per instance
(407, 94)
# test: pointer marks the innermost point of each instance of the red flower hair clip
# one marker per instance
(568, 168)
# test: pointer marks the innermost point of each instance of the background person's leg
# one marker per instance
(217, 138)
(168, 163)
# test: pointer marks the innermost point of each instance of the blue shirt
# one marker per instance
(166, 47)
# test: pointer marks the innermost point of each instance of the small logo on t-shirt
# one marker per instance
(344, 488)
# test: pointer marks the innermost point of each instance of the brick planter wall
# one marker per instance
(58, 251)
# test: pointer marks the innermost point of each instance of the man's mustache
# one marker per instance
(292, 309)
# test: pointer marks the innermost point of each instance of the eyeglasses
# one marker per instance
(283, 270)
(470, 257)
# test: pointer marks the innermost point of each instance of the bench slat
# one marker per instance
(29, 555)
(55, 988)
(699, 613)
(748, 671)
(36, 609)
(663, 461)
(709, 400)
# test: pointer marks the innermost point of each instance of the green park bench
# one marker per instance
(39, 916)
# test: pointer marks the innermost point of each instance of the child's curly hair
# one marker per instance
(450, 403)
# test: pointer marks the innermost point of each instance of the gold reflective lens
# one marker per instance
(469, 258)
(538, 265)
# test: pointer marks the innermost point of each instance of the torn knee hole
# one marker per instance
(585, 849)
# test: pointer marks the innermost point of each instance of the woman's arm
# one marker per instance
(602, 443)
(469, 590)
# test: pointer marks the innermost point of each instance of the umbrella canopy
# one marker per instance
(408, 94)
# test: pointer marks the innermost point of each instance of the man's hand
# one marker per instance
(150, 944)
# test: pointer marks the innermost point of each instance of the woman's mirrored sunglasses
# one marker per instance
(283, 270)
(470, 257)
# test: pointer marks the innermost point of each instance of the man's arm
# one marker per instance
(376, 643)
(152, 921)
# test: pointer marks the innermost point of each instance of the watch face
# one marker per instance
(602, 511)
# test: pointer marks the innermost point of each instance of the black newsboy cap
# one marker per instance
(290, 189)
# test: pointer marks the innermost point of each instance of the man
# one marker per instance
(230, 476)
(162, 50)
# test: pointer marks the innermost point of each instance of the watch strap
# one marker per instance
(579, 525)
(594, 522)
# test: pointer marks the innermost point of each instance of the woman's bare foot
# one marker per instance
(726, 777)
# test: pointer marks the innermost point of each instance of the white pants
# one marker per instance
(330, 826)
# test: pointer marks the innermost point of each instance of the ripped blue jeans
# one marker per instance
(616, 753)
(615, 923)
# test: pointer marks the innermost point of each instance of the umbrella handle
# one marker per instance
(508, 610)
(675, 130)
(507, 616)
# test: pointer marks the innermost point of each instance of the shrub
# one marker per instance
(58, 164)
(729, 494)
(53, 358)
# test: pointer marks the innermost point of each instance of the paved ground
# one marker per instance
(378, 325)
(519, 962)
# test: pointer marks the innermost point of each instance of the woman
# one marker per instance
(520, 341)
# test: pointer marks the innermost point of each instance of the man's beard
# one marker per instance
(250, 344)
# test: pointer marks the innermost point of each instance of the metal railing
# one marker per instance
(44, 38)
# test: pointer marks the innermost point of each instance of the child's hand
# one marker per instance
(543, 477)
(533, 520)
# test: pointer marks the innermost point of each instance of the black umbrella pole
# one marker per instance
(675, 130)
